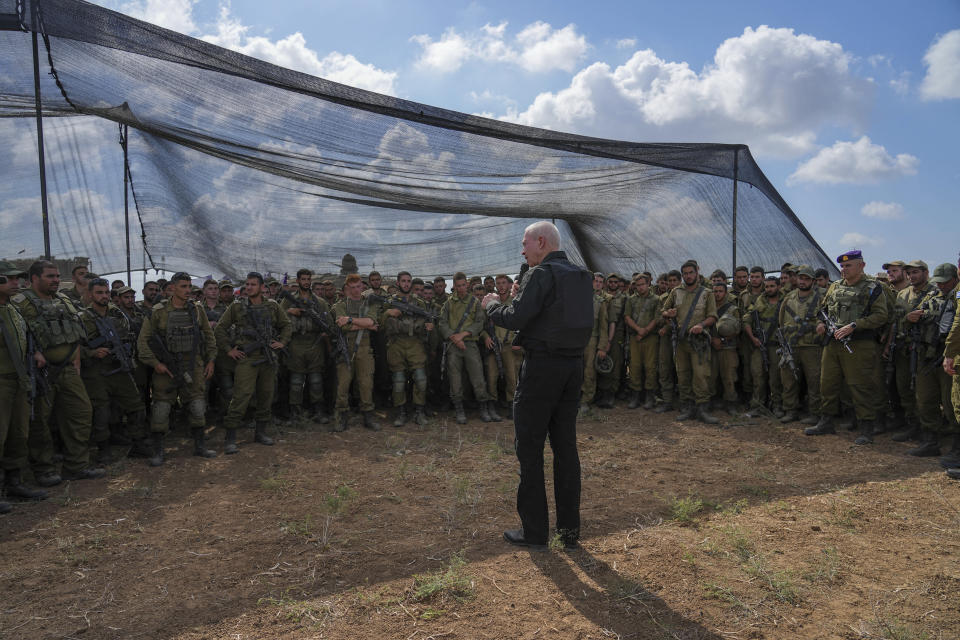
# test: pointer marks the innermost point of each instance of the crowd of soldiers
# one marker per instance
(89, 370)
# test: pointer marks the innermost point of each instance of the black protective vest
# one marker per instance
(565, 324)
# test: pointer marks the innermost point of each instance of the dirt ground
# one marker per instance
(690, 531)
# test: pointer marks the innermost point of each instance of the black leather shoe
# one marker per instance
(515, 536)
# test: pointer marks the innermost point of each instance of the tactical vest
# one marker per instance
(213, 315)
(57, 321)
(565, 323)
(407, 324)
(846, 303)
(182, 333)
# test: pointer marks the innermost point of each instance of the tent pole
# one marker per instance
(126, 198)
(736, 171)
(43, 170)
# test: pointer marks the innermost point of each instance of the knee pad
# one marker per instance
(226, 387)
(399, 382)
(297, 380)
(197, 408)
(420, 378)
(160, 412)
(315, 382)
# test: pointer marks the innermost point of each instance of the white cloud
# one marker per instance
(292, 52)
(859, 162)
(901, 83)
(855, 240)
(883, 210)
(537, 48)
(626, 43)
(943, 68)
(768, 87)
(176, 15)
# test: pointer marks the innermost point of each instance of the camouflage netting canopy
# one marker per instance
(236, 164)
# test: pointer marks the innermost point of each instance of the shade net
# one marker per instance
(237, 164)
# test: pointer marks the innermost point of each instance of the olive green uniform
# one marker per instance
(307, 350)
(725, 357)
(693, 360)
(616, 309)
(58, 330)
(763, 318)
(407, 338)
(798, 322)
(745, 347)
(933, 385)
(908, 339)
(865, 304)
(644, 351)
(666, 366)
(186, 333)
(119, 387)
(952, 350)
(361, 367)
(599, 341)
(14, 384)
(255, 376)
(467, 314)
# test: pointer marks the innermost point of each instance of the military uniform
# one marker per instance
(723, 339)
(58, 330)
(255, 376)
(406, 348)
(609, 383)
(763, 319)
(745, 347)
(110, 379)
(184, 332)
(599, 341)
(361, 366)
(458, 315)
(307, 350)
(693, 350)
(798, 323)
(908, 340)
(14, 386)
(666, 365)
(644, 310)
(951, 349)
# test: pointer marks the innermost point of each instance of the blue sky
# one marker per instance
(852, 112)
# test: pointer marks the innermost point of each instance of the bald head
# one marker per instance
(539, 239)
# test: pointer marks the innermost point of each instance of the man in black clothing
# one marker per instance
(553, 315)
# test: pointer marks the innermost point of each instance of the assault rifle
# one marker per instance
(786, 353)
(170, 361)
(405, 307)
(674, 336)
(39, 381)
(760, 334)
(260, 339)
(832, 330)
(497, 346)
(891, 367)
(119, 350)
(320, 322)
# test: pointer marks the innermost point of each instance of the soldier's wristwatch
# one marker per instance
(349, 320)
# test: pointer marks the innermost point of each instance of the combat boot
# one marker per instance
(822, 428)
(606, 400)
(321, 416)
(866, 432)
(663, 407)
(199, 445)
(461, 415)
(156, 442)
(117, 436)
(230, 442)
(16, 489)
(810, 419)
(689, 411)
(951, 459)
(912, 432)
(492, 412)
(50, 479)
(790, 416)
(5, 507)
(419, 416)
(704, 416)
(103, 453)
(370, 421)
(585, 411)
(929, 445)
(484, 412)
(260, 434)
(634, 400)
(401, 418)
(141, 449)
(778, 412)
(649, 402)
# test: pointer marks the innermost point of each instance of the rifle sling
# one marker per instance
(13, 348)
(693, 307)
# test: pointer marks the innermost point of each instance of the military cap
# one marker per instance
(614, 275)
(805, 270)
(788, 268)
(728, 326)
(604, 364)
(917, 264)
(225, 284)
(194, 288)
(849, 255)
(11, 270)
(123, 290)
(894, 263)
(271, 280)
(90, 276)
(944, 273)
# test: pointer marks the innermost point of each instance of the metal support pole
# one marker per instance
(736, 172)
(43, 169)
(126, 199)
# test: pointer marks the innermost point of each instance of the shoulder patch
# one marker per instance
(17, 299)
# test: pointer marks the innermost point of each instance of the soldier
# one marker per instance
(788, 274)
(596, 348)
(666, 365)
(461, 320)
(107, 368)
(798, 326)
(760, 322)
(855, 308)
(79, 278)
(376, 284)
(692, 310)
(723, 340)
(641, 316)
(177, 343)
(609, 383)
(260, 330)
(896, 275)
(902, 348)
(741, 281)
(355, 318)
(439, 290)
(951, 352)
(489, 284)
(502, 339)
(307, 348)
(53, 320)
(407, 333)
(151, 292)
(15, 391)
(329, 292)
(932, 383)
(822, 278)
